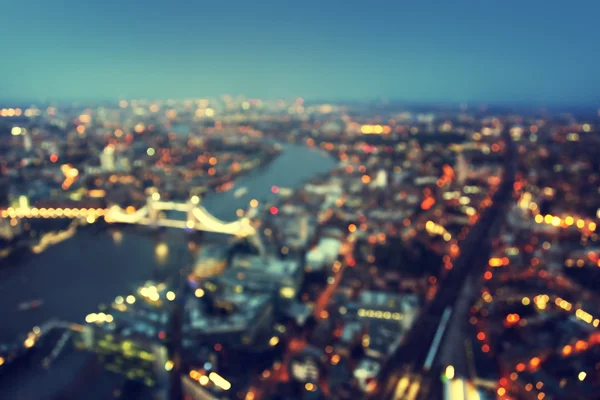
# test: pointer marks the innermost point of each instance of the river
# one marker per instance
(75, 276)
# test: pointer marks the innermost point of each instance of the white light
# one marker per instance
(130, 299)
(219, 381)
(450, 372)
(170, 296)
(156, 196)
(119, 300)
(195, 199)
(199, 292)
(582, 376)
(16, 131)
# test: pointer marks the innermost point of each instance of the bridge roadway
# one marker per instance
(415, 358)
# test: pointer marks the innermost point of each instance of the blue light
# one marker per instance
(207, 366)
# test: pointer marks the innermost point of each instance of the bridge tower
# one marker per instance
(152, 210)
(190, 219)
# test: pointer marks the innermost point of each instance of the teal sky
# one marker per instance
(459, 50)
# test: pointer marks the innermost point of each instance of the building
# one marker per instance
(236, 320)
(107, 159)
(121, 352)
(257, 274)
(386, 306)
(324, 254)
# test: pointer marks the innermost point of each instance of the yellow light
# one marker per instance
(309, 386)
(526, 301)
(253, 203)
(450, 372)
(199, 293)
(91, 219)
(195, 199)
(190, 224)
(90, 318)
(273, 341)
(287, 292)
(130, 299)
(156, 196)
(592, 226)
(170, 296)
(378, 129)
(169, 365)
(548, 219)
(150, 151)
(581, 376)
(209, 112)
(580, 224)
(203, 380)
(556, 221)
(29, 342)
(1, 361)
(16, 131)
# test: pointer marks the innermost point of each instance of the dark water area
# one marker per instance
(98, 264)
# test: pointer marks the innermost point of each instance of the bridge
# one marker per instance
(152, 214)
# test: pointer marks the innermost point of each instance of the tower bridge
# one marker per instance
(198, 218)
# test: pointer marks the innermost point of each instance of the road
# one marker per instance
(417, 347)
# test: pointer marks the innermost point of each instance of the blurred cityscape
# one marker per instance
(238, 248)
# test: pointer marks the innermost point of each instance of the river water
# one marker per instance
(96, 265)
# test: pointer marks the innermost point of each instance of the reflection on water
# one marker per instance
(117, 237)
(161, 251)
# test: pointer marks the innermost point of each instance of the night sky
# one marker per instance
(446, 50)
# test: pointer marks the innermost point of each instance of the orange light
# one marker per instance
(80, 129)
(501, 391)
(520, 367)
(366, 179)
(581, 345)
(130, 209)
(567, 350)
(351, 228)
(487, 276)
(534, 362)
(427, 203)
(54, 158)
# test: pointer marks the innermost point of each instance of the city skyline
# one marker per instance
(473, 52)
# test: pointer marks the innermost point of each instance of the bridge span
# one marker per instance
(198, 218)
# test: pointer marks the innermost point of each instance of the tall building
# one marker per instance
(381, 179)
(461, 169)
(27, 140)
(107, 159)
